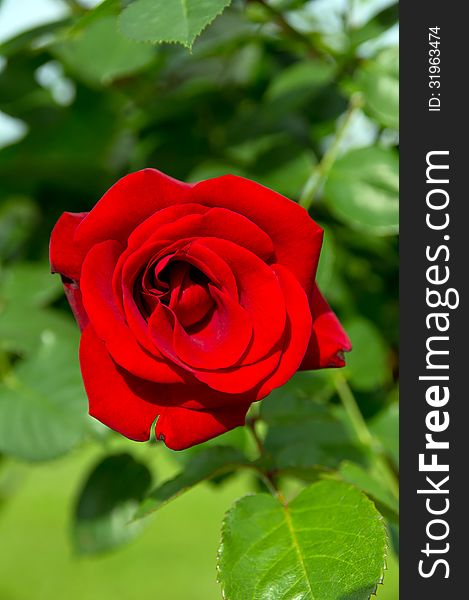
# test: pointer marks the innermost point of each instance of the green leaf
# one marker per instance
(30, 284)
(23, 336)
(42, 402)
(288, 177)
(370, 483)
(304, 436)
(107, 503)
(378, 80)
(367, 364)
(301, 396)
(328, 543)
(362, 190)
(100, 53)
(25, 39)
(25, 289)
(385, 426)
(295, 85)
(105, 9)
(208, 463)
(179, 21)
(18, 218)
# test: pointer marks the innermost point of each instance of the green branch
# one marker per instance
(290, 31)
(321, 171)
(363, 434)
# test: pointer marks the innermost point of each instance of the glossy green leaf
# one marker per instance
(100, 53)
(369, 482)
(362, 190)
(368, 363)
(328, 543)
(107, 503)
(178, 21)
(304, 435)
(204, 465)
(378, 80)
(43, 408)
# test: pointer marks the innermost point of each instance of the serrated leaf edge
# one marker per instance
(380, 518)
(189, 45)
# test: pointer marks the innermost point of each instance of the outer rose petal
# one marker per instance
(328, 339)
(298, 331)
(73, 293)
(297, 238)
(66, 256)
(128, 203)
(182, 428)
(130, 405)
(112, 399)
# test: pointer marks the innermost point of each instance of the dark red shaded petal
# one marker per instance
(181, 428)
(109, 323)
(66, 256)
(218, 343)
(113, 399)
(259, 294)
(73, 294)
(297, 238)
(241, 379)
(328, 339)
(208, 262)
(128, 203)
(190, 300)
(297, 331)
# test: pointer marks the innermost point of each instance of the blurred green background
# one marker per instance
(301, 96)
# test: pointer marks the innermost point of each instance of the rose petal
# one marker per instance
(328, 339)
(242, 379)
(219, 343)
(66, 256)
(128, 203)
(153, 224)
(259, 294)
(297, 238)
(109, 323)
(297, 335)
(118, 400)
(73, 294)
(182, 428)
(190, 300)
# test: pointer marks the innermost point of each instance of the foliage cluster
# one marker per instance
(301, 96)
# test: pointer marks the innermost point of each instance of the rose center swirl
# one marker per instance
(179, 285)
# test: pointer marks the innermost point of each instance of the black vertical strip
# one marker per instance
(440, 541)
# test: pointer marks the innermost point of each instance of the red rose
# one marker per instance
(194, 301)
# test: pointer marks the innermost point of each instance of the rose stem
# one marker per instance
(321, 170)
(267, 477)
(363, 433)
